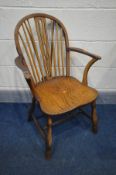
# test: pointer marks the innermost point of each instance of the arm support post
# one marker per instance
(90, 63)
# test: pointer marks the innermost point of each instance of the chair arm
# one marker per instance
(74, 49)
(21, 65)
(90, 63)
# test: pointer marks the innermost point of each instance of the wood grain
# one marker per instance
(62, 94)
(56, 93)
(49, 55)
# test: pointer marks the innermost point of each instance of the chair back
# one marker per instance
(41, 41)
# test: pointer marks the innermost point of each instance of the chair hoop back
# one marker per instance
(41, 40)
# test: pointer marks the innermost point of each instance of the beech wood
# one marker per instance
(50, 83)
(49, 139)
(94, 117)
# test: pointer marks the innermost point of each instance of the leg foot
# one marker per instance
(31, 109)
(94, 117)
(48, 151)
(94, 129)
(48, 154)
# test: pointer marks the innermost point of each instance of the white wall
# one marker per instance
(91, 24)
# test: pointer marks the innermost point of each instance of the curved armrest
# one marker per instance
(74, 49)
(20, 64)
(90, 63)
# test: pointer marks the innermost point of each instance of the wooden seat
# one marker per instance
(44, 57)
(62, 94)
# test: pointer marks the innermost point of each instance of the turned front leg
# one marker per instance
(48, 151)
(94, 117)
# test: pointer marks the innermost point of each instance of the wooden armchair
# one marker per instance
(44, 57)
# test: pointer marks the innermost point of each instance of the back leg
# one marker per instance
(31, 110)
(94, 117)
(48, 150)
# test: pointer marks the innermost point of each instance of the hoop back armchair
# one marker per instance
(44, 57)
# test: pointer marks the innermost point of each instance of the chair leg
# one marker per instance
(94, 117)
(48, 151)
(31, 109)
